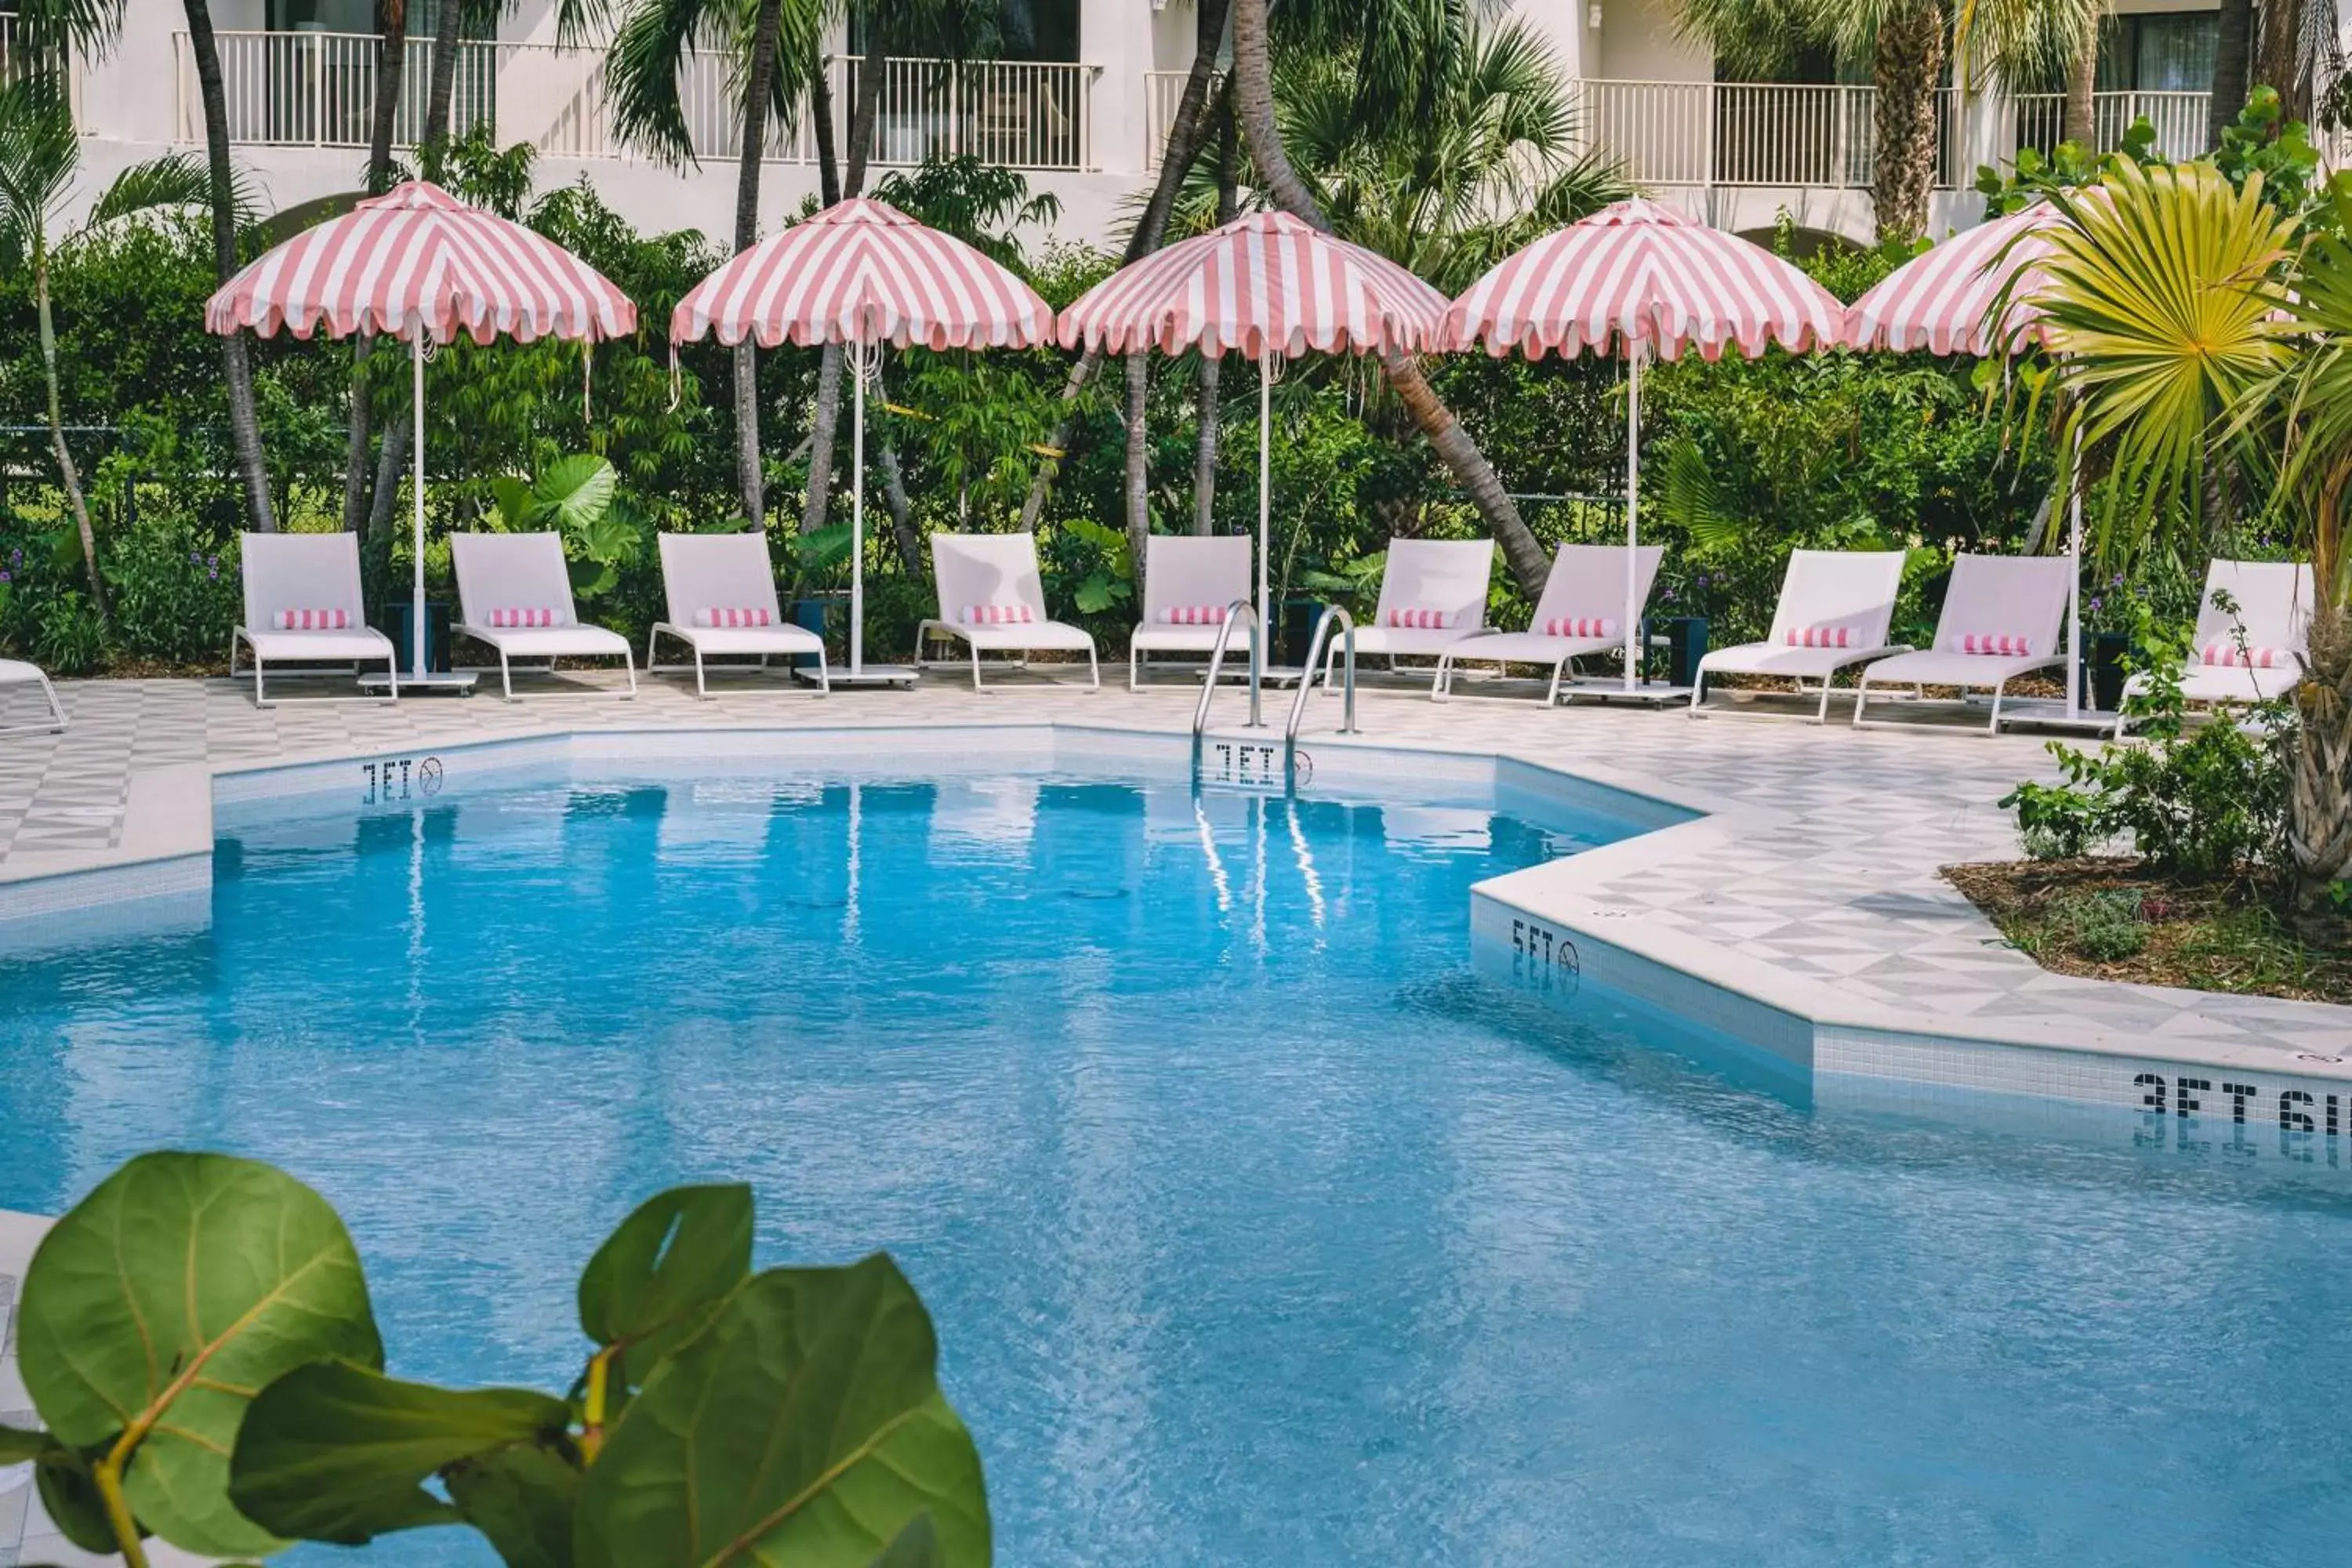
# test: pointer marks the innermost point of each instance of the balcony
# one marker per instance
(318, 89)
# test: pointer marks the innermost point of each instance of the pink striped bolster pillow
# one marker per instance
(2229, 655)
(1819, 636)
(998, 615)
(1421, 620)
(519, 618)
(2004, 644)
(312, 620)
(755, 616)
(1578, 626)
(1193, 616)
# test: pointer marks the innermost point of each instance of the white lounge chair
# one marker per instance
(2002, 620)
(721, 593)
(1834, 610)
(992, 600)
(2273, 600)
(304, 604)
(514, 595)
(16, 672)
(1188, 584)
(1581, 611)
(1432, 596)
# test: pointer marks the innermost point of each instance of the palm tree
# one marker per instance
(1400, 56)
(244, 420)
(39, 152)
(1188, 129)
(649, 50)
(2184, 313)
(1908, 44)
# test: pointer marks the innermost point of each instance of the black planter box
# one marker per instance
(2103, 669)
(400, 622)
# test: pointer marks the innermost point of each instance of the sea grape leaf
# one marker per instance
(659, 1274)
(69, 1496)
(337, 1452)
(802, 1426)
(915, 1546)
(522, 1499)
(181, 1287)
(16, 1446)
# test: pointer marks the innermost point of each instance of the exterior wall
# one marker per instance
(132, 106)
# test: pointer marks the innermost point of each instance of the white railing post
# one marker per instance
(317, 88)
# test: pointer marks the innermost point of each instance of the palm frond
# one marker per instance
(38, 154)
(87, 27)
(175, 180)
(2165, 305)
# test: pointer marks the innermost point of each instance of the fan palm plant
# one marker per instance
(39, 153)
(2186, 315)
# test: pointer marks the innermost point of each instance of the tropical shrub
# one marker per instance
(198, 1341)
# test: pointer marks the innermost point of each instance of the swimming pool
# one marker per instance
(1259, 1228)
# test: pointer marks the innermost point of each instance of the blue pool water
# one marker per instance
(1260, 1228)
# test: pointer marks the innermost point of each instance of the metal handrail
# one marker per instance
(1239, 610)
(1307, 680)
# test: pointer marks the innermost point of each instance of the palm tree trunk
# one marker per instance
(391, 61)
(1209, 410)
(243, 422)
(1186, 130)
(865, 107)
(909, 543)
(1139, 460)
(2278, 55)
(2233, 40)
(2081, 123)
(448, 44)
(67, 474)
(2319, 822)
(758, 88)
(1906, 70)
(1254, 106)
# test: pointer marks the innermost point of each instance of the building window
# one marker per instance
(1045, 31)
(2164, 51)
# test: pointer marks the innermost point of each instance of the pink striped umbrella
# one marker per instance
(1943, 299)
(414, 263)
(1639, 279)
(1264, 285)
(862, 273)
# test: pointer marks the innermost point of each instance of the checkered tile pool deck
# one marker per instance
(1831, 875)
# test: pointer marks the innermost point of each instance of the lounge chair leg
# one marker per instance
(506, 674)
(823, 676)
(1698, 690)
(975, 667)
(1094, 672)
(1994, 727)
(1134, 662)
(1860, 696)
(1823, 717)
(392, 674)
(1551, 697)
(629, 663)
(258, 701)
(701, 691)
(1439, 688)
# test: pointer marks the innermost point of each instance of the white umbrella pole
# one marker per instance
(416, 447)
(2074, 587)
(858, 518)
(1633, 494)
(1265, 479)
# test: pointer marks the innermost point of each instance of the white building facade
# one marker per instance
(1080, 103)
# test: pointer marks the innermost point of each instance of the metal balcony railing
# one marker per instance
(317, 89)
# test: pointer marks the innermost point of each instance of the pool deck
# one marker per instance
(1810, 887)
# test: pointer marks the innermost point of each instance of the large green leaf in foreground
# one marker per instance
(662, 1273)
(164, 1302)
(802, 1427)
(336, 1452)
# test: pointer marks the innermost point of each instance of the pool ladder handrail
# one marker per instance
(1240, 610)
(1307, 676)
